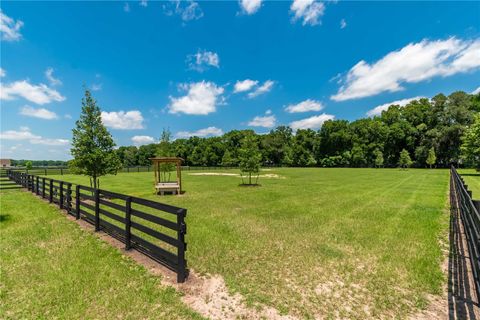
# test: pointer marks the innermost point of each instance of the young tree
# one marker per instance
(405, 160)
(431, 158)
(250, 157)
(378, 158)
(92, 145)
(28, 165)
(164, 149)
(471, 144)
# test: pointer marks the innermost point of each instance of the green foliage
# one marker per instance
(431, 158)
(405, 161)
(227, 160)
(28, 165)
(92, 145)
(250, 157)
(165, 149)
(471, 144)
(378, 158)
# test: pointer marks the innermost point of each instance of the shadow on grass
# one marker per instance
(5, 218)
(471, 174)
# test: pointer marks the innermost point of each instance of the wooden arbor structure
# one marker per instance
(161, 166)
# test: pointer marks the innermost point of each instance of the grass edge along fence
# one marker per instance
(84, 202)
(461, 199)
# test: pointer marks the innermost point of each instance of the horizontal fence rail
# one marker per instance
(468, 208)
(155, 229)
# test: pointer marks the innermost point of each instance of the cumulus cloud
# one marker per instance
(413, 63)
(264, 88)
(310, 11)
(378, 109)
(245, 85)
(49, 75)
(122, 120)
(39, 94)
(305, 106)
(267, 121)
(202, 60)
(206, 132)
(9, 28)
(186, 10)
(202, 98)
(476, 91)
(41, 113)
(25, 134)
(3, 73)
(314, 122)
(250, 6)
(141, 140)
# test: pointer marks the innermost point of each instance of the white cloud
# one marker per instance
(476, 91)
(314, 122)
(343, 24)
(39, 94)
(141, 140)
(41, 113)
(49, 75)
(25, 134)
(264, 88)
(310, 11)
(413, 63)
(187, 10)
(250, 6)
(267, 121)
(3, 73)
(202, 60)
(378, 109)
(122, 120)
(126, 7)
(202, 98)
(245, 85)
(9, 28)
(210, 131)
(305, 106)
(96, 87)
(68, 116)
(144, 3)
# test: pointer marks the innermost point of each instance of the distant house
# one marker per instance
(5, 163)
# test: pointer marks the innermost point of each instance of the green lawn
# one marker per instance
(472, 179)
(354, 243)
(51, 269)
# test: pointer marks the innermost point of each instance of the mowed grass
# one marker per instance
(51, 269)
(356, 243)
(472, 179)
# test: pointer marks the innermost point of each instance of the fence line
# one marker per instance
(155, 229)
(461, 199)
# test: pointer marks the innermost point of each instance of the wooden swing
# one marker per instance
(162, 183)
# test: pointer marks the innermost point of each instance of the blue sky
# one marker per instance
(209, 67)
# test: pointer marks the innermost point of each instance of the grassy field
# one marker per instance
(51, 269)
(355, 243)
(472, 179)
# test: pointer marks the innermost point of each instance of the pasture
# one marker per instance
(472, 179)
(354, 243)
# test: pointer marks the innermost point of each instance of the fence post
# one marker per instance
(128, 223)
(77, 202)
(69, 198)
(43, 188)
(51, 192)
(182, 230)
(36, 187)
(60, 197)
(97, 210)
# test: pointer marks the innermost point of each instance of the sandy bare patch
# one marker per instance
(268, 175)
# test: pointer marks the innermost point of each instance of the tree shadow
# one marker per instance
(5, 218)
(462, 300)
(471, 174)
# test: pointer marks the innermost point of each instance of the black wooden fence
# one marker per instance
(461, 199)
(155, 229)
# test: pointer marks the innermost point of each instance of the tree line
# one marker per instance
(423, 133)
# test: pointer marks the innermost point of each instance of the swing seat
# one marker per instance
(163, 187)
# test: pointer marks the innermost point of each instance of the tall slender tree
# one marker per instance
(431, 158)
(250, 157)
(405, 161)
(92, 145)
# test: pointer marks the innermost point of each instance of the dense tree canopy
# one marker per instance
(437, 124)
